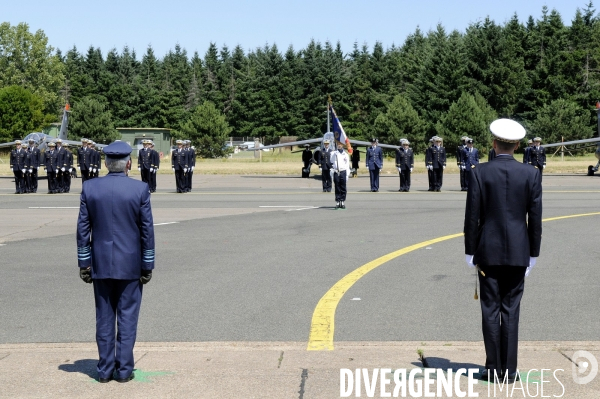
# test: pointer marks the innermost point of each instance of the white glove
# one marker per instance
(173, 169)
(443, 167)
(155, 170)
(532, 262)
(22, 170)
(80, 168)
(399, 170)
(30, 170)
(429, 167)
(95, 170)
(184, 170)
(469, 260)
(63, 169)
(543, 166)
(38, 168)
(192, 168)
(140, 169)
(411, 170)
(151, 170)
(70, 170)
(320, 168)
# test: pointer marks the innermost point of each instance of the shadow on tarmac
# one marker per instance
(83, 366)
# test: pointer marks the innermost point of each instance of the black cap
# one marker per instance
(118, 149)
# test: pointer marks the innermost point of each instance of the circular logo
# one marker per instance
(584, 362)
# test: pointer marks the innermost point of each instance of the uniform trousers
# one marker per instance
(152, 182)
(374, 176)
(85, 175)
(116, 300)
(326, 178)
(405, 179)
(190, 174)
(463, 179)
(430, 179)
(340, 185)
(145, 173)
(180, 180)
(66, 181)
(501, 291)
(19, 182)
(438, 175)
(60, 181)
(32, 180)
(52, 182)
(467, 174)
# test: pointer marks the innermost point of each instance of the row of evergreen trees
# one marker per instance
(541, 72)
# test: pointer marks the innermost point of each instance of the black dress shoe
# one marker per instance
(512, 377)
(105, 380)
(126, 379)
(485, 375)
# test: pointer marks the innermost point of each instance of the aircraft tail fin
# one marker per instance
(65, 123)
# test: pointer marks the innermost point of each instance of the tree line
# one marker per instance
(541, 72)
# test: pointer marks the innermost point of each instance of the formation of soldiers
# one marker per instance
(466, 158)
(89, 161)
(183, 161)
(148, 164)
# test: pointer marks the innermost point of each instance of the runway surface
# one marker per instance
(247, 258)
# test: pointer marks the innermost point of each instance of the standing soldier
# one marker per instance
(191, 163)
(340, 163)
(155, 159)
(491, 155)
(459, 156)
(34, 166)
(326, 167)
(51, 167)
(355, 158)
(470, 158)
(527, 151)
(374, 163)
(428, 166)
(437, 163)
(144, 161)
(93, 165)
(83, 160)
(69, 168)
(537, 155)
(307, 157)
(179, 166)
(405, 162)
(98, 159)
(18, 160)
(62, 166)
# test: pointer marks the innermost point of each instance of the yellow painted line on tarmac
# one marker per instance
(323, 319)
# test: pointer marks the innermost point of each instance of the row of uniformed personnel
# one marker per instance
(183, 161)
(89, 160)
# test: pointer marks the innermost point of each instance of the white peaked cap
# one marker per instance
(507, 130)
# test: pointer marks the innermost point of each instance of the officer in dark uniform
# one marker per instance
(115, 210)
(98, 155)
(470, 159)
(191, 163)
(33, 167)
(69, 168)
(326, 167)
(179, 165)
(144, 161)
(51, 166)
(374, 163)
(537, 155)
(405, 162)
(62, 166)
(428, 165)
(155, 159)
(491, 155)
(437, 163)
(307, 158)
(83, 160)
(503, 233)
(94, 160)
(459, 155)
(18, 164)
(527, 150)
(355, 159)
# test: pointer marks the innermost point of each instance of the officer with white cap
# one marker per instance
(537, 155)
(179, 159)
(503, 232)
(18, 164)
(35, 158)
(326, 167)
(68, 159)
(437, 163)
(527, 151)
(115, 210)
(51, 166)
(405, 162)
(459, 154)
(84, 160)
(470, 159)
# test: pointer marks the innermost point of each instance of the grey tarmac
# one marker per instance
(242, 261)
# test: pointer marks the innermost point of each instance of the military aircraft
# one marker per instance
(319, 142)
(582, 145)
(42, 140)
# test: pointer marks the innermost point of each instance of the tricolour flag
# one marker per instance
(338, 131)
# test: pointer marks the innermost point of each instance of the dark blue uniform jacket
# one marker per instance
(115, 231)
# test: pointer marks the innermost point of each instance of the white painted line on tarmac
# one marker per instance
(53, 207)
(162, 224)
(302, 209)
(282, 206)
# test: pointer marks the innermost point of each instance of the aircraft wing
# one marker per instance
(368, 144)
(290, 144)
(2, 145)
(594, 140)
